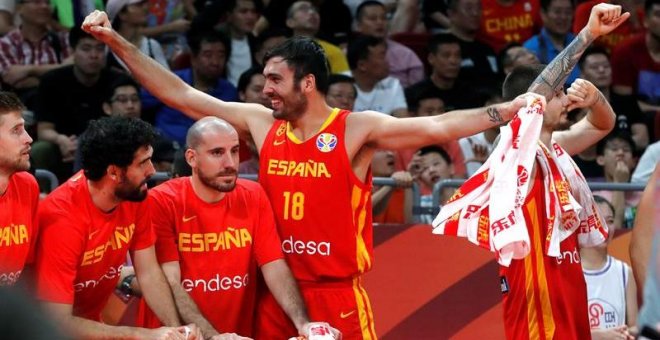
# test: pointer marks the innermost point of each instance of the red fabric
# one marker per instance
(393, 213)
(501, 25)
(342, 304)
(611, 40)
(628, 59)
(81, 249)
(547, 296)
(18, 226)
(218, 247)
(323, 211)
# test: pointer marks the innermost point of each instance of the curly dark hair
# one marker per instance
(113, 141)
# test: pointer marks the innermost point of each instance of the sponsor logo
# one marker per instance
(291, 246)
(345, 315)
(113, 273)
(13, 235)
(309, 168)
(326, 142)
(571, 256)
(188, 219)
(10, 278)
(216, 283)
(602, 314)
(278, 142)
(231, 238)
(118, 239)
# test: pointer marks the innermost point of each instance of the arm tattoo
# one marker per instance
(494, 115)
(561, 66)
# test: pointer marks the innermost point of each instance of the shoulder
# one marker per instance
(249, 186)
(172, 188)
(24, 178)
(58, 74)
(68, 198)
(12, 37)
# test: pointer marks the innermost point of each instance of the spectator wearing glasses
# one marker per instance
(69, 98)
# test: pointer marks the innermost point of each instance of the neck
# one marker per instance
(557, 39)
(546, 138)
(102, 195)
(85, 79)
(205, 193)
(442, 83)
(236, 34)
(462, 34)
(202, 83)
(32, 32)
(304, 33)
(312, 119)
(4, 182)
(364, 82)
(593, 258)
(130, 33)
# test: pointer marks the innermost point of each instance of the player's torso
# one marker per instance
(323, 211)
(545, 296)
(216, 256)
(17, 206)
(107, 242)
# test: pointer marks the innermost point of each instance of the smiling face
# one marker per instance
(14, 143)
(286, 98)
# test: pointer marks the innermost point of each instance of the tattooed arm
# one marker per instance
(603, 19)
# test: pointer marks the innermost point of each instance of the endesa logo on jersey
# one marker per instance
(293, 246)
(216, 283)
(9, 279)
(113, 273)
(326, 142)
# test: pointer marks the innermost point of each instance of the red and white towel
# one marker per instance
(487, 208)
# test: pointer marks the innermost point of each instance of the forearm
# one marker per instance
(554, 75)
(189, 311)
(601, 115)
(284, 288)
(157, 293)
(408, 205)
(619, 204)
(50, 135)
(87, 329)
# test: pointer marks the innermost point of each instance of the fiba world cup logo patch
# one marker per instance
(326, 142)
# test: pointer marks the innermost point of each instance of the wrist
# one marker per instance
(588, 35)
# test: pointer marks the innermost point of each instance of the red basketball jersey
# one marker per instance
(322, 210)
(544, 297)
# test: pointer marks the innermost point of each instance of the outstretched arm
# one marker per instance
(603, 19)
(169, 88)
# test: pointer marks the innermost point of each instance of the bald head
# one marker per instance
(201, 128)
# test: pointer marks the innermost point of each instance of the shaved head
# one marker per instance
(196, 133)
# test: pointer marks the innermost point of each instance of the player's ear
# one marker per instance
(309, 83)
(113, 172)
(191, 156)
(600, 160)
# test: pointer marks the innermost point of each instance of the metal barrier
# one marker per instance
(43, 174)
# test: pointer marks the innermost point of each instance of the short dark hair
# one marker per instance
(342, 78)
(9, 102)
(119, 81)
(440, 39)
(246, 77)
(621, 135)
(230, 5)
(197, 38)
(503, 58)
(591, 50)
(359, 12)
(259, 41)
(602, 200)
(112, 141)
(435, 149)
(305, 56)
(359, 49)
(76, 34)
(413, 98)
(545, 4)
(519, 80)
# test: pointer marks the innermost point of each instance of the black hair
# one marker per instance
(648, 5)
(413, 98)
(519, 80)
(305, 56)
(435, 149)
(246, 77)
(197, 38)
(437, 40)
(503, 56)
(591, 50)
(621, 135)
(359, 12)
(602, 200)
(76, 34)
(359, 49)
(119, 81)
(545, 4)
(113, 141)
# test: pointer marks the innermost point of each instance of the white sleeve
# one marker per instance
(646, 164)
(398, 96)
(158, 54)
